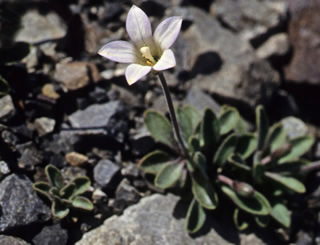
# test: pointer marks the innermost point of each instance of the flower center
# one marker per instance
(146, 54)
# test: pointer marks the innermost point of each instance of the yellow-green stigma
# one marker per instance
(146, 54)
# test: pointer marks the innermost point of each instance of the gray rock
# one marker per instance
(76, 75)
(305, 39)
(44, 125)
(10, 240)
(38, 27)
(200, 100)
(51, 235)
(30, 156)
(294, 127)
(126, 195)
(94, 116)
(250, 18)
(277, 45)
(6, 107)
(4, 169)
(104, 173)
(20, 204)
(223, 63)
(151, 221)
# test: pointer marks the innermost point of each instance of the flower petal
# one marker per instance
(134, 72)
(119, 51)
(167, 32)
(138, 27)
(166, 61)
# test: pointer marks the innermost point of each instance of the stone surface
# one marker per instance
(10, 240)
(277, 45)
(51, 235)
(224, 64)
(126, 195)
(151, 221)
(44, 125)
(200, 100)
(76, 75)
(94, 116)
(30, 156)
(6, 107)
(20, 204)
(39, 27)
(294, 127)
(304, 35)
(76, 159)
(104, 173)
(4, 169)
(250, 18)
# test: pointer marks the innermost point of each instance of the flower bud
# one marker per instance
(243, 189)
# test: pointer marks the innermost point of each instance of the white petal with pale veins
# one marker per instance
(166, 61)
(119, 51)
(134, 72)
(138, 27)
(167, 32)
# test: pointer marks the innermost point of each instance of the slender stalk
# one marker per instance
(172, 114)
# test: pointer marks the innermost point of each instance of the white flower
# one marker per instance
(148, 52)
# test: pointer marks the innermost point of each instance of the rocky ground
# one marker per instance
(69, 107)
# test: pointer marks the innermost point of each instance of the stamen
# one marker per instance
(145, 51)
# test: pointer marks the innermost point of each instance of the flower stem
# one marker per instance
(172, 114)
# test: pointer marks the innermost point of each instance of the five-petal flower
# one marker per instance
(148, 52)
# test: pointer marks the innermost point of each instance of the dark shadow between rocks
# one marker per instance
(153, 8)
(206, 63)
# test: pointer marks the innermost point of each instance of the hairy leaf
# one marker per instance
(195, 218)
(228, 118)
(168, 175)
(257, 204)
(159, 127)
(299, 146)
(226, 148)
(154, 162)
(54, 176)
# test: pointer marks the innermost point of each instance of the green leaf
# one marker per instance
(54, 176)
(194, 144)
(225, 150)
(257, 204)
(42, 187)
(210, 129)
(154, 162)
(67, 191)
(276, 136)
(289, 182)
(236, 219)
(238, 162)
(168, 175)
(82, 184)
(188, 118)
(203, 191)
(4, 86)
(195, 218)
(159, 128)
(246, 145)
(241, 127)
(262, 221)
(281, 214)
(59, 210)
(82, 203)
(299, 146)
(200, 162)
(228, 118)
(262, 126)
